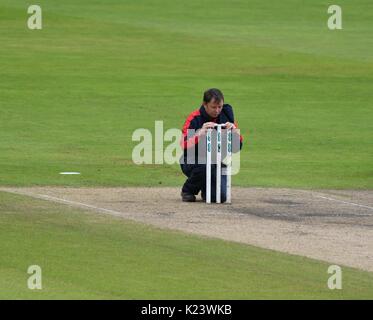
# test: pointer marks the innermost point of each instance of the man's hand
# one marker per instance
(205, 127)
(212, 125)
(230, 125)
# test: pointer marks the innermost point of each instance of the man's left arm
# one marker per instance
(235, 129)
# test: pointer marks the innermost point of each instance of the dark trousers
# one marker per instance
(196, 181)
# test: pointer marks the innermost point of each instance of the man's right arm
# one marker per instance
(189, 137)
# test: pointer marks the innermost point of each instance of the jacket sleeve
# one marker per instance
(189, 133)
(230, 115)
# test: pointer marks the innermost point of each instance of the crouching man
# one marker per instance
(213, 111)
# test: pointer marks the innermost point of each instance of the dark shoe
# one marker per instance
(188, 197)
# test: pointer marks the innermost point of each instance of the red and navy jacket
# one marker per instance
(196, 120)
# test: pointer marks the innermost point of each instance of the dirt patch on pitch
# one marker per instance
(334, 226)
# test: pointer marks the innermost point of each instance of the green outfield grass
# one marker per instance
(87, 255)
(72, 94)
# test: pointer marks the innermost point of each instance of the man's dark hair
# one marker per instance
(211, 94)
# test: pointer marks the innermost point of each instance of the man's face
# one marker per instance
(213, 108)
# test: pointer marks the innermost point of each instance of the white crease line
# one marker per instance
(346, 202)
(117, 213)
(45, 197)
(316, 194)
